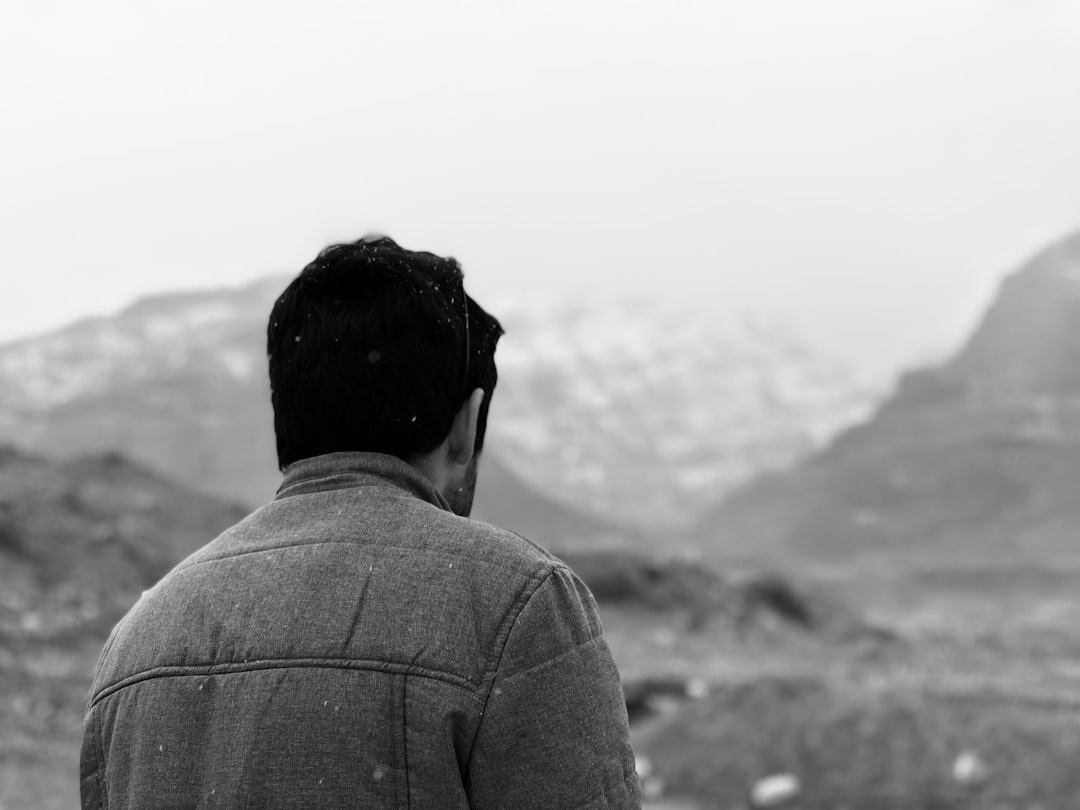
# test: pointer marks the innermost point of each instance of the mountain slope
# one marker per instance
(505, 500)
(79, 540)
(651, 413)
(621, 410)
(177, 382)
(980, 456)
(87, 535)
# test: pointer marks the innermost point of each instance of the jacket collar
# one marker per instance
(355, 469)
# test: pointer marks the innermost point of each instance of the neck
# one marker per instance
(434, 466)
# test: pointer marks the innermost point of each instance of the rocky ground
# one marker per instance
(857, 715)
(730, 681)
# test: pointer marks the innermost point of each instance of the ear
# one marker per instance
(462, 438)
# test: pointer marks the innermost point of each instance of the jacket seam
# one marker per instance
(99, 744)
(504, 638)
(191, 563)
(236, 667)
(266, 550)
(575, 650)
(283, 492)
(405, 734)
(347, 479)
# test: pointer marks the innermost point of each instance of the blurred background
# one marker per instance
(791, 374)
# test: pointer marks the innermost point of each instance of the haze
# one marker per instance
(864, 172)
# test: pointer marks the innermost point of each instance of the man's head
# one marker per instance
(376, 348)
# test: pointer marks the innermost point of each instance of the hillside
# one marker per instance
(619, 409)
(504, 499)
(648, 414)
(977, 459)
(79, 540)
(87, 535)
(175, 382)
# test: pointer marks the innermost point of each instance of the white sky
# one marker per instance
(866, 170)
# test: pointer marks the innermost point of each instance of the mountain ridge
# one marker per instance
(629, 415)
(80, 538)
(974, 457)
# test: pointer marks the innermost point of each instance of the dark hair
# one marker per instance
(375, 348)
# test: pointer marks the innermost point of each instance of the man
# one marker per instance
(358, 642)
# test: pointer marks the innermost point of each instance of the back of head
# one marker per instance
(375, 348)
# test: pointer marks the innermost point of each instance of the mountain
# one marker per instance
(620, 410)
(81, 538)
(1029, 342)
(176, 382)
(979, 456)
(650, 413)
(505, 500)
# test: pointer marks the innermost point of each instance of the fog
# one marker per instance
(863, 172)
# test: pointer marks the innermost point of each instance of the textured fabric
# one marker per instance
(354, 643)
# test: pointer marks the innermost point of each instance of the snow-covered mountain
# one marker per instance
(645, 411)
(622, 408)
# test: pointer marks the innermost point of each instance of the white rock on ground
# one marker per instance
(970, 769)
(697, 688)
(774, 791)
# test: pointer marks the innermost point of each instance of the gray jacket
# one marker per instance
(353, 643)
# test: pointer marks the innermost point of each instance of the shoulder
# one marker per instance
(505, 556)
(531, 584)
(550, 609)
(504, 544)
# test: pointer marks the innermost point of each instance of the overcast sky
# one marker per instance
(865, 170)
